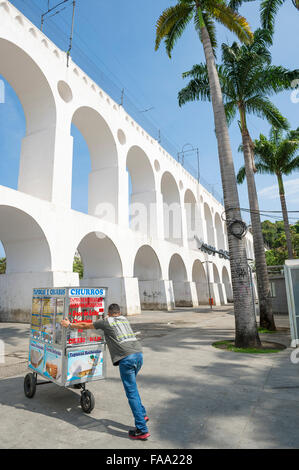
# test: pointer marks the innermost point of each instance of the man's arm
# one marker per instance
(81, 325)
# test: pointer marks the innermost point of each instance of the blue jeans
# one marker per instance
(129, 367)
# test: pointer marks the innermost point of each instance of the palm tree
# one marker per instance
(268, 11)
(246, 78)
(170, 26)
(276, 156)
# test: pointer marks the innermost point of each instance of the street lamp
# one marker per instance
(296, 4)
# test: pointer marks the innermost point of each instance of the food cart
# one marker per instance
(63, 356)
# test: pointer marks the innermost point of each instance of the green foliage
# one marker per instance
(174, 20)
(229, 346)
(2, 265)
(247, 78)
(78, 266)
(275, 239)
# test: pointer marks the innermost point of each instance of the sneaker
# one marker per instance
(137, 434)
(146, 418)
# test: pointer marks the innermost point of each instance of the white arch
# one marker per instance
(219, 232)
(209, 224)
(198, 272)
(100, 257)
(200, 278)
(216, 273)
(143, 197)
(147, 265)
(172, 209)
(192, 217)
(36, 172)
(104, 177)
(181, 287)
(30, 85)
(227, 284)
(24, 242)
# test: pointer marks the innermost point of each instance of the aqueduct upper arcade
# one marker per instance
(143, 207)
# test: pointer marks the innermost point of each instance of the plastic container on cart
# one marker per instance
(64, 356)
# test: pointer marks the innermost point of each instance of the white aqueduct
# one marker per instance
(145, 265)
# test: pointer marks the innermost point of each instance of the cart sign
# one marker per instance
(75, 292)
(36, 355)
(67, 355)
(84, 364)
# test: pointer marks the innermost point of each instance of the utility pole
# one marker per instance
(56, 12)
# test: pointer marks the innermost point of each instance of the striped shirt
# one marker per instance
(120, 338)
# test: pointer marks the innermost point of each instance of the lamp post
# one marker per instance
(251, 282)
(208, 279)
(296, 4)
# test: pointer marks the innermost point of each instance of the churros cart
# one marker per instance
(64, 356)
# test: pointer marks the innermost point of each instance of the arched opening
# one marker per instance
(177, 273)
(35, 95)
(216, 274)
(103, 178)
(219, 295)
(219, 232)
(172, 213)
(100, 257)
(227, 284)
(209, 225)
(102, 267)
(192, 218)
(148, 271)
(81, 169)
(142, 193)
(12, 131)
(28, 263)
(201, 282)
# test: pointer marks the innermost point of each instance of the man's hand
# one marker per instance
(65, 323)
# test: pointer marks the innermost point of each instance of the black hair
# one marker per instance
(114, 309)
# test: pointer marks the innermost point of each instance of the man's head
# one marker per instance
(114, 310)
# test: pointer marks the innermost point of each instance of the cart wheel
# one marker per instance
(29, 385)
(87, 401)
(77, 386)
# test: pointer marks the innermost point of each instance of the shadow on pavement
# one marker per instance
(59, 403)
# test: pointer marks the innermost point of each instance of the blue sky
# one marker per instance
(119, 37)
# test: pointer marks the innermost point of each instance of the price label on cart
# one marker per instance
(89, 310)
(84, 364)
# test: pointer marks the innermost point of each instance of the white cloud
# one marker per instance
(291, 188)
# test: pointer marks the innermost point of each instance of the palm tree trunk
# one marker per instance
(263, 285)
(285, 216)
(246, 327)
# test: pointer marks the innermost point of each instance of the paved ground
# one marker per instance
(196, 396)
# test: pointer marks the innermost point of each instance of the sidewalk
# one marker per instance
(196, 396)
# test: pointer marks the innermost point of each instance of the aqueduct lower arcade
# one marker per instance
(143, 207)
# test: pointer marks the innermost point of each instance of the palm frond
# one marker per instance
(195, 90)
(230, 111)
(268, 11)
(235, 4)
(230, 19)
(171, 25)
(292, 166)
(264, 108)
(241, 175)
